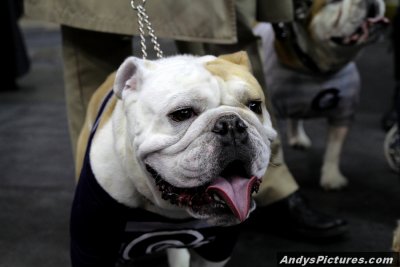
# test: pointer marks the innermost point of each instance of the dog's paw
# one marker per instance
(300, 142)
(332, 179)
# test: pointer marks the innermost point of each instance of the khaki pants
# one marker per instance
(89, 57)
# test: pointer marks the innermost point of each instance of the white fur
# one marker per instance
(178, 257)
(331, 177)
(297, 136)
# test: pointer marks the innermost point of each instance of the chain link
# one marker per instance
(144, 21)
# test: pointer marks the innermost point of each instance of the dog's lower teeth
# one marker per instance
(217, 199)
(218, 205)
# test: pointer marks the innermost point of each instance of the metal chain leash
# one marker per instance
(143, 21)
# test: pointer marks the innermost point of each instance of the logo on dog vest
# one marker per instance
(157, 241)
(326, 100)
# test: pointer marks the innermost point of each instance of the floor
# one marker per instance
(36, 178)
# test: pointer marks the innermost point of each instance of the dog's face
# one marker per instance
(200, 129)
(335, 30)
(347, 22)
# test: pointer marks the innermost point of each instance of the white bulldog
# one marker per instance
(179, 148)
(310, 71)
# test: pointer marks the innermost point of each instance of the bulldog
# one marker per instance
(310, 72)
(170, 154)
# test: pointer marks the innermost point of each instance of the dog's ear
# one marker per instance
(127, 76)
(240, 58)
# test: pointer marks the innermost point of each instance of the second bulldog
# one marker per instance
(310, 72)
(174, 150)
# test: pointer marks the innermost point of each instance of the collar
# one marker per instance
(286, 36)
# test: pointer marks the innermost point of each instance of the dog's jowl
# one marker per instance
(170, 155)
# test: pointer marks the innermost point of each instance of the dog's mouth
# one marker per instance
(229, 193)
(367, 31)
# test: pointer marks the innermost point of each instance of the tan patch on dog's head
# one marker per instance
(235, 65)
(239, 58)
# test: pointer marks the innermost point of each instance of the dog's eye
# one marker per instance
(182, 114)
(255, 106)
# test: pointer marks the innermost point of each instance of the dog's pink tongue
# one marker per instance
(236, 192)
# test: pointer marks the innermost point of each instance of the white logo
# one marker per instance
(153, 242)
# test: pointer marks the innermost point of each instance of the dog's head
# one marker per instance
(332, 32)
(200, 130)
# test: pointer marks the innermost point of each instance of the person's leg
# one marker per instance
(89, 57)
(396, 239)
(14, 56)
(278, 183)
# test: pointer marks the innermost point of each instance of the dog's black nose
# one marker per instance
(231, 129)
